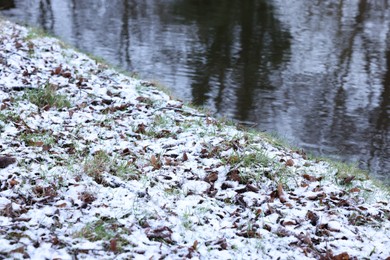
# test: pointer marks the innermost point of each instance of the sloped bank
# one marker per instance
(107, 166)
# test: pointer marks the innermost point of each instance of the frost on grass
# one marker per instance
(95, 164)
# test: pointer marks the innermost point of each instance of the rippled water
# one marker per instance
(315, 72)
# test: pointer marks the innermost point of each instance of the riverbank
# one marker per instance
(109, 166)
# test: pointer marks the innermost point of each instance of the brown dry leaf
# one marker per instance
(37, 143)
(209, 121)
(20, 250)
(113, 245)
(46, 147)
(13, 182)
(66, 74)
(57, 70)
(155, 162)
(212, 177)
(143, 99)
(310, 178)
(362, 208)
(87, 197)
(18, 45)
(288, 223)
(348, 179)
(234, 175)
(5, 161)
(70, 112)
(49, 191)
(168, 161)
(46, 108)
(62, 205)
(290, 162)
(185, 157)
(312, 217)
(125, 152)
(342, 256)
(270, 210)
(195, 245)
(161, 233)
(55, 240)
(141, 129)
(356, 189)
(281, 195)
(252, 188)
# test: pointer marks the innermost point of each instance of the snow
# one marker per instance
(128, 172)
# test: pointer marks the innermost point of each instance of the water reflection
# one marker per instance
(315, 72)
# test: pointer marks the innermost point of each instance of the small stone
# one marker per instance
(5, 161)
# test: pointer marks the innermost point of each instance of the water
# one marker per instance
(315, 72)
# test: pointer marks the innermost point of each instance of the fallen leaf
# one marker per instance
(66, 74)
(46, 108)
(5, 161)
(234, 175)
(185, 157)
(288, 223)
(290, 162)
(70, 113)
(143, 99)
(281, 195)
(356, 189)
(46, 147)
(348, 179)
(141, 129)
(311, 178)
(312, 217)
(155, 162)
(113, 245)
(252, 188)
(57, 70)
(37, 143)
(212, 177)
(195, 245)
(62, 205)
(162, 233)
(304, 185)
(342, 256)
(19, 250)
(87, 197)
(55, 240)
(13, 182)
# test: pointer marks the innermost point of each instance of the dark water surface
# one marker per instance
(315, 72)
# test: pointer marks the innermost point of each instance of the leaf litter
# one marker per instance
(123, 171)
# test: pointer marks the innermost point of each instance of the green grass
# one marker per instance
(9, 116)
(125, 171)
(102, 162)
(46, 96)
(35, 32)
(107, 231)
(38, 139)
(97, 165)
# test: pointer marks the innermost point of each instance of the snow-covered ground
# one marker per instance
(107, 166)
